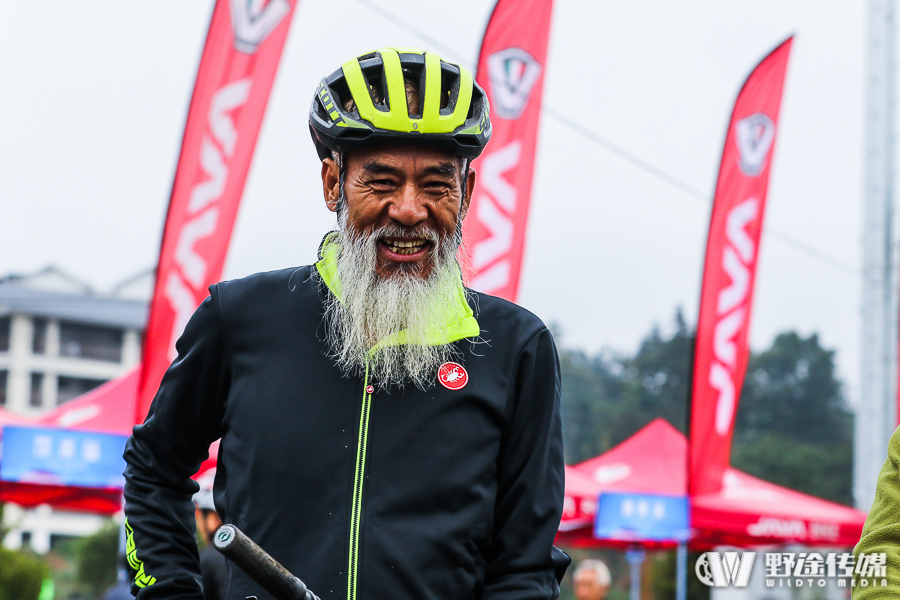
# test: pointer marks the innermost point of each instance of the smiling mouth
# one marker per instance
(404, 246)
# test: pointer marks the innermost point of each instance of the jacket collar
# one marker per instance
(455, 324)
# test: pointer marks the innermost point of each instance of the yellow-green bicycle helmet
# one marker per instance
(379, 115)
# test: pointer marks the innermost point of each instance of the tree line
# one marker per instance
(794, 427)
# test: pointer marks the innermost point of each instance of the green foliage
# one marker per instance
(657, 379)
(791, 390)
(589, 390)
(21, 575)
(606, 399)
(96, 557)
(662, 576)
(62, 559)
(822, 470)
(793, 426)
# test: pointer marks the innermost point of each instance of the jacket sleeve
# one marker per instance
(881, 532)
(163, 454)
(531, 480)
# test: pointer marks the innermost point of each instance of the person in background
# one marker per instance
(881, 533)
(213, 565)
(591, 580)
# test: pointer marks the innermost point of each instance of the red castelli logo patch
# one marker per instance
(453, 376)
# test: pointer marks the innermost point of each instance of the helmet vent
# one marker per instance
(449, 87)
(377, 85)
(343, 97)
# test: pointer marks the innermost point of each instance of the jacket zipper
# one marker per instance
(356, 509)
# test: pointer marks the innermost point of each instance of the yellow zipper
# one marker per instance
(356, 509)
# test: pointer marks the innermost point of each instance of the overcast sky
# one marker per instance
(95, 95)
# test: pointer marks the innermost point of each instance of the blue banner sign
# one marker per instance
(53, 456)
(636, 517)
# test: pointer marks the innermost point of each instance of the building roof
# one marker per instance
(137, 287)
(50, 279)
(94, 310)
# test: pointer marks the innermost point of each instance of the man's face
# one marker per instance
(411, 194)
(587, 586)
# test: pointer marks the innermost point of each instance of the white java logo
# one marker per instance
(783, 528)
(190, 267)
(253, 20)
(731, 308)
(724, 569)
(496, 207)
(513, 73)
(755, 135)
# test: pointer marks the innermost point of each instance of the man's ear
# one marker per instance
(470, 187)
(331, 183)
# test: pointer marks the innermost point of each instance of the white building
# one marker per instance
(58, 340)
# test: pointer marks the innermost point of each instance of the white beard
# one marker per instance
(374, 308)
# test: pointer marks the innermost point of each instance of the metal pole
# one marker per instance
(876, 413)
(635, 558)
(681, 559)
(121, 570)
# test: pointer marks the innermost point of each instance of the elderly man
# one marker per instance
(386, 432)
(591, 580)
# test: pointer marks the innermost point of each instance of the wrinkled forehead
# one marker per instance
(410, 158)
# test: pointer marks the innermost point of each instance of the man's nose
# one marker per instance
(408, 207)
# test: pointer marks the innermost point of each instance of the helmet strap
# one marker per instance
(338, 158)
(465, 181)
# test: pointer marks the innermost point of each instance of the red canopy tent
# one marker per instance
(747, 511)
(109, 408)
(580, 502)
(11, 418)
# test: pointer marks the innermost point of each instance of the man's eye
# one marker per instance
(382, 183)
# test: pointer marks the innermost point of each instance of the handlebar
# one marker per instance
(259, 565)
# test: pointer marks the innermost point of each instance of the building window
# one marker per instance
(72, 387)
(37, 391)
(4, 334)
(3, 377)
(39, 336)
(88, 341)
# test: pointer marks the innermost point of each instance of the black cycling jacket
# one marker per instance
(363, 494)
